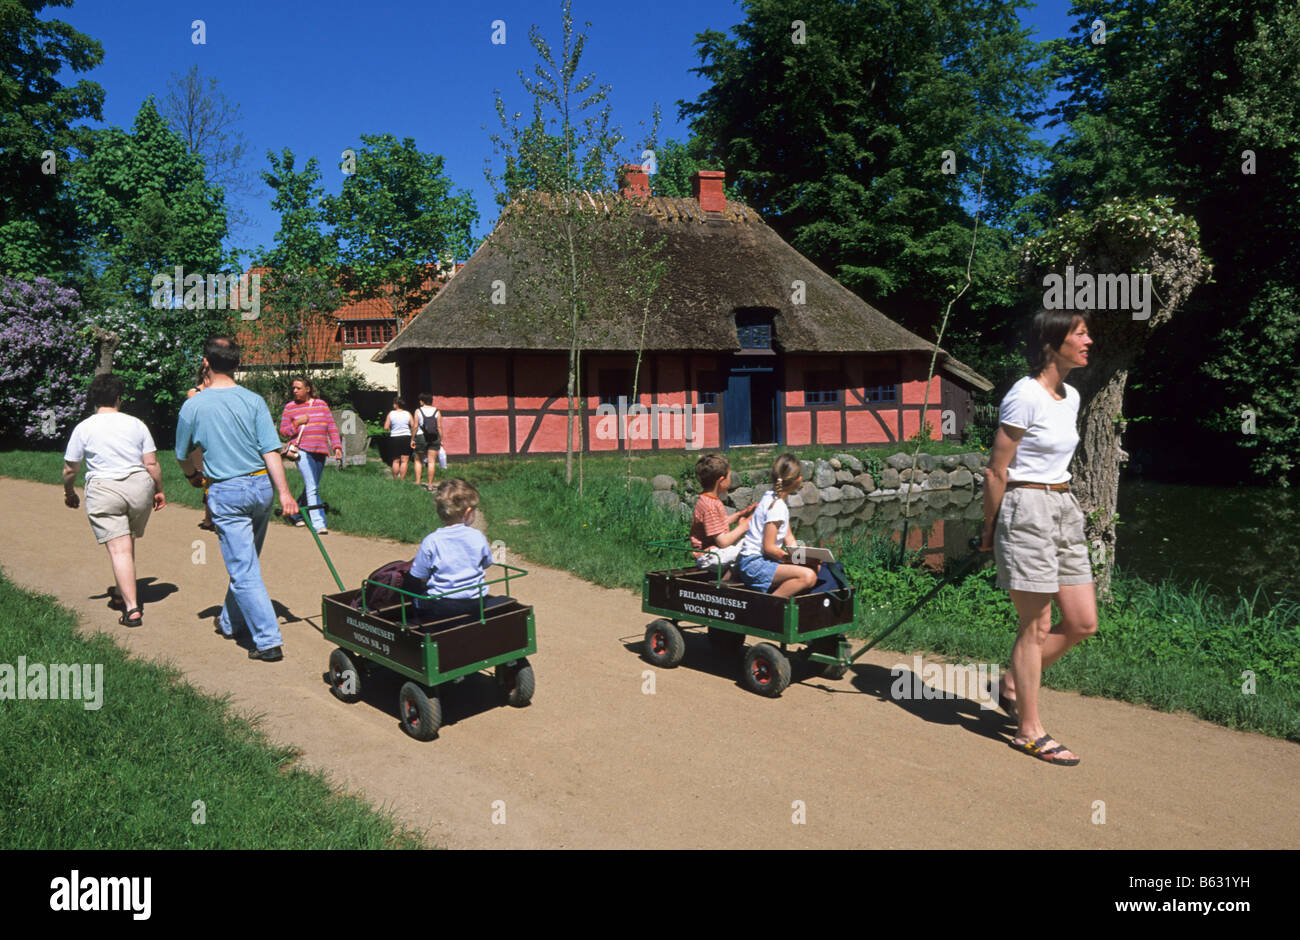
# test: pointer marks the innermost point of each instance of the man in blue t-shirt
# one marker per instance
(240, 448)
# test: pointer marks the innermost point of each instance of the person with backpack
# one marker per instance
(428, 437)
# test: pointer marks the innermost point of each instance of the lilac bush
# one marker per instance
(45, 359)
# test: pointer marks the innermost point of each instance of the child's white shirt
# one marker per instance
(770, 509)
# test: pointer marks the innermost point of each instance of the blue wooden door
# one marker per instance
(736, 411)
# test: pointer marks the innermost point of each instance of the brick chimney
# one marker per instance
(707, 187)
(634, 182)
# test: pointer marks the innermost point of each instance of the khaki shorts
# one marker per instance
(1039, 543)
(119, 507)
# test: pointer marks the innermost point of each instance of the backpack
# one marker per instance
(429, 427)
(395, 574)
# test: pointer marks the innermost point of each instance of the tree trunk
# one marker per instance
(1097, 460)
(108, 342)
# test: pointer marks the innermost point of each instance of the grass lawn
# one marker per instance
(127, 775)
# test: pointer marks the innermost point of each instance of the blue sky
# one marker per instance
(313, 75)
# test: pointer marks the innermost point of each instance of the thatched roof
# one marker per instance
(718, 263)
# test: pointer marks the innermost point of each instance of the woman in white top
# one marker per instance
(399, 424)
(123, 483)
(1034, 524)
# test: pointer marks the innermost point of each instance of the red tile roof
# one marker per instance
(325, 339)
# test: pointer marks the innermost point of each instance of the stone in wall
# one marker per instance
(830, 494)
(824, 477)
(851, 492)
(794, 500)
(949, 462)
(864, 482)
(912, 476)
(960, 477)
(809, 468)
(843, 476)
(926, 462)
(742, 496)
(889, 479)
(938, 480)
(663, 481)
(850, 462)
(899, 461)
(811, 497)
(971, 461)
(835, 463)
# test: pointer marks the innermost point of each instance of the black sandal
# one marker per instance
(127, 620)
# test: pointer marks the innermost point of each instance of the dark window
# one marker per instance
(613, 383)
(823, 388)
(880, 387)
(755, 336)
(709, 399)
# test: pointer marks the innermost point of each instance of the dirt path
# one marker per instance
(595, 762)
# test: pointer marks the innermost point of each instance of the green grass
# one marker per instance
(127, 775)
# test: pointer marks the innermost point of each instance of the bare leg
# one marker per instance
(789, 580)
(419, 469)
(121, 552)
(1035, 613)
(1078, 603)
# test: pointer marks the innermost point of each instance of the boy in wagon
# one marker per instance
(452, 560)
(713, 537)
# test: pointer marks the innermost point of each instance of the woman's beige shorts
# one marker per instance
(1039, 543)
(119, 507)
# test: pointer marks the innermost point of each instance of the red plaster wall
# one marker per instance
(828, 427)
(798, 428)
(490, 386)
(492, 433)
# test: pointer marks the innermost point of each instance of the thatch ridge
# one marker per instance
(718, 263)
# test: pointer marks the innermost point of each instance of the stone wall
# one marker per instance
(840, 492)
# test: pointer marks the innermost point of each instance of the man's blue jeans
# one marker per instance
(241, 510)
(311, 466)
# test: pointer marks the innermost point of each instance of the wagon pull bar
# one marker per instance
(958, 572)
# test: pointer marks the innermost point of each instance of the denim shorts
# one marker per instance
(1039, 543)
(757, 571)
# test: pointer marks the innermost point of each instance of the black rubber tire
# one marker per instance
(517, 683)
(421, 713)
(342, 663)
(725, 645)
(767, 670)
(830, 645)
(664, 644)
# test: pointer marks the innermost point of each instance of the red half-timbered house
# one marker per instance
(762, 345)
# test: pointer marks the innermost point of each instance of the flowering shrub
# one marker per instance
(158, 352)
(45, 359)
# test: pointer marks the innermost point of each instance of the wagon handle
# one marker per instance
(958, 572)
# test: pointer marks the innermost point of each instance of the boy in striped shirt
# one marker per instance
(712, 537)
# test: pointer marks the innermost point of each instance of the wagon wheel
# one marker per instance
(725, 644)
(517, 682)
(421, 714)
(830, 645)
(345, 676)
(767, 671)
(664, 644)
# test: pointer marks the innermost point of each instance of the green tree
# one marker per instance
(301, 284)
(147, 209)
(1197, 101)
(573, 245)
(397, 219)
(38, 223)
(861, 135)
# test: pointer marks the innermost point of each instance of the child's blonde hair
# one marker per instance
(785, 471)
(453, 497)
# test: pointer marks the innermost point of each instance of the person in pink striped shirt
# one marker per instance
(319, 436)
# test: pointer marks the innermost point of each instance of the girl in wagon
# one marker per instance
(765, 563)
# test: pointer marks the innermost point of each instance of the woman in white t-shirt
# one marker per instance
(123, 483)
(764, 562)
(1034, 524)
(400, 425)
